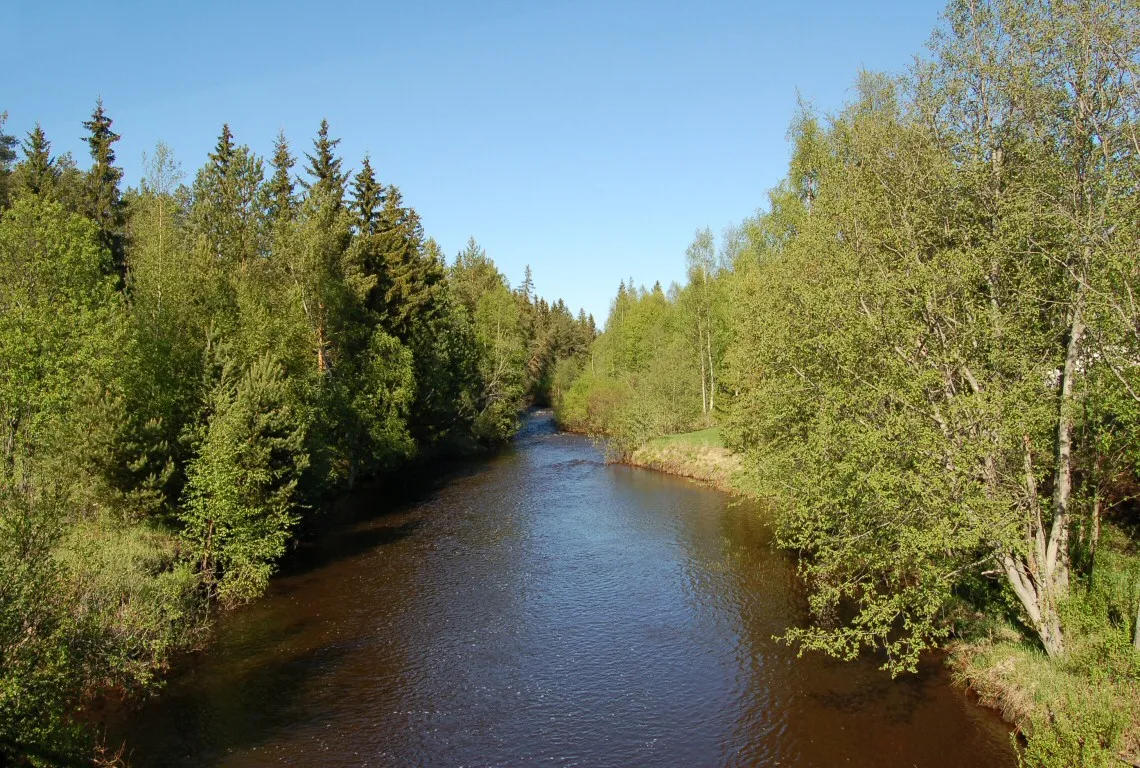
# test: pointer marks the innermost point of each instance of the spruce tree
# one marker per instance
(281, 201)
(324, 166)
(222, 156)
(7, 155)
(367, 199)
(227, 195)
(39, 169)
(103, 200)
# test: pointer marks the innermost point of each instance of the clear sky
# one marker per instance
(587, 139)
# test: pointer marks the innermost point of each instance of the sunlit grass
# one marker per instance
(709, 437)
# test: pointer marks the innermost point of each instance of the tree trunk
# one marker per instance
(1041, 579)
(712, 376)
(1038, 603)
(322, 364)
(1094, 534)
(704, 395)
(701, 355)
(322, 343)
(1057, 554)
(1029, 575)
(1136, 629)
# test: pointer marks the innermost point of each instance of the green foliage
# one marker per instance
(1081, 732)
(60, 327)
(188, 374)
(38, 174)
(500, 342)
(383, 401)
(39, 673)
(7, 155)
(226, 215)
(367, 199)
(281, 203)
(324, 166)
(241, 485)
(648, 373)
(925, 353)
(103, 198)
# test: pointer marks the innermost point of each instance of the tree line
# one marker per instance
(191, 370)
(927, 351)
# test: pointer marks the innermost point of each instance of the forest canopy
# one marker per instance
(192, 370)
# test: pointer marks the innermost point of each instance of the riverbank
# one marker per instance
(1083, 710)
(1079, 711)
(700, 456)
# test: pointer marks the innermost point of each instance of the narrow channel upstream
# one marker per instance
(541, 607)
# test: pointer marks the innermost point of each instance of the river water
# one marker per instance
(543, 608)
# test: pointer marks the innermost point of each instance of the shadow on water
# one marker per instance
(896, 699)
(371, 516)
(357, 522)
(203, 716)
(342, 544)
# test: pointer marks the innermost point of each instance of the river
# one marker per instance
(543, 608)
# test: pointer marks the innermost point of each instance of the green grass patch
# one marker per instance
(710, 437)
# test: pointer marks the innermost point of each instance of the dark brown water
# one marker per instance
(543, 608)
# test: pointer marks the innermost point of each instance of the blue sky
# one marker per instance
(587, 139)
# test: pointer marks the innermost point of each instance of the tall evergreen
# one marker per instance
(39, 169)
(227, 200)
(7, 155)
(222, 156)
(367, 199)
(324, 166)
(280, 190)
(103, 199)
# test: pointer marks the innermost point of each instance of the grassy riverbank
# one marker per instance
(697, 455)
(1082, 708)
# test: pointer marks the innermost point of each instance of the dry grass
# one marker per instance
(697, 455)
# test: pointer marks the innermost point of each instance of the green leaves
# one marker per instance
(384, 400)
(187, 373)
(60, 325)
(241, 486)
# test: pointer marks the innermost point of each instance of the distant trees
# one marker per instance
(648, 374)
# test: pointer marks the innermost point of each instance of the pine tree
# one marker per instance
(281, 202)
(222, 156)
(324, 166)
(39, 169)
(103, 199)
(367, 199)
(407, 290)
(7, 155)
(227, 195)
